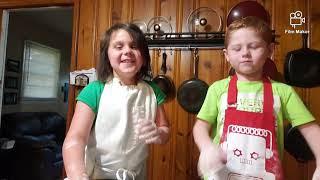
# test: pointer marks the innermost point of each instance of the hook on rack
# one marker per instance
(159, 52)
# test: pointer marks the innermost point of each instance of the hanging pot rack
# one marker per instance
(185, 40)
(190, 40)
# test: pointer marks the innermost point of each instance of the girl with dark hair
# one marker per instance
(118, 115)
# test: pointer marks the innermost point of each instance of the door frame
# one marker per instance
(3, 43)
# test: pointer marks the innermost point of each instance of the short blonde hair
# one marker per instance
(250, 22)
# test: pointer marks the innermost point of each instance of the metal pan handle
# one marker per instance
(196, 62)
(164, 63)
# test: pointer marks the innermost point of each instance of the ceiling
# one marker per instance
(58, 19)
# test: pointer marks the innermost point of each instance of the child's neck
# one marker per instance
(254, 77)
(126, 81)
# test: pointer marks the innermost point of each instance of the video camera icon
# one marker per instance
(296, 19)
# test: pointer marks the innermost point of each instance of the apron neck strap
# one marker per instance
(267, 93)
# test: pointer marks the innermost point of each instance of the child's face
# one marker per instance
(124, 55)
(247, 53)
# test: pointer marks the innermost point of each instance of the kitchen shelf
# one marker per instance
(185, 40)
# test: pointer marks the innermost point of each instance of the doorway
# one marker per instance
(35, 69)
(44, 29)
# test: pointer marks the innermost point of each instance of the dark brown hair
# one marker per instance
(250, 22)
(104, 69)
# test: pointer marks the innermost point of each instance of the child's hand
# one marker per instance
(84, 176)
(211, 159)
(316, 174)
(148, 132)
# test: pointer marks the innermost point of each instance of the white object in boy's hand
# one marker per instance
(211, 159)
(218, 174)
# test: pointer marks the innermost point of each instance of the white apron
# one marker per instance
(113, 145)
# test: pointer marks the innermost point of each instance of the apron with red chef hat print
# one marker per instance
(249, 139)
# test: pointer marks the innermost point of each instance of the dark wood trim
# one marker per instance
(8, 4)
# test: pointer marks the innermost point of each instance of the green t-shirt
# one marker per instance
(287, 105)
(91, 94)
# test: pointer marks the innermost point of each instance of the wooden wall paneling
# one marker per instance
(281, 23)
(168, 10)
(314, 40)
(181, 163)
(144, 10)
(288, 42)
(182, 73)
(211, 62)
(162, 158)
(121, 11)
(87, 34)
(104, 20)
(181, 119)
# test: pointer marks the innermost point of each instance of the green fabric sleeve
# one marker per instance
(209, 109)
(157, 91)
(91, 94)
(294, 109)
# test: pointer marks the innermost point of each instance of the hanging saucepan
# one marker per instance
(269, 69)
(296, 145)
(192, 92)
(302, 66)
(164, 82)
(247, 8)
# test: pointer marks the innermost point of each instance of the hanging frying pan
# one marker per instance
(269, 69)
(164, 82)
(247, 8)
(302, 66)
(192, 92)
(296, 145)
